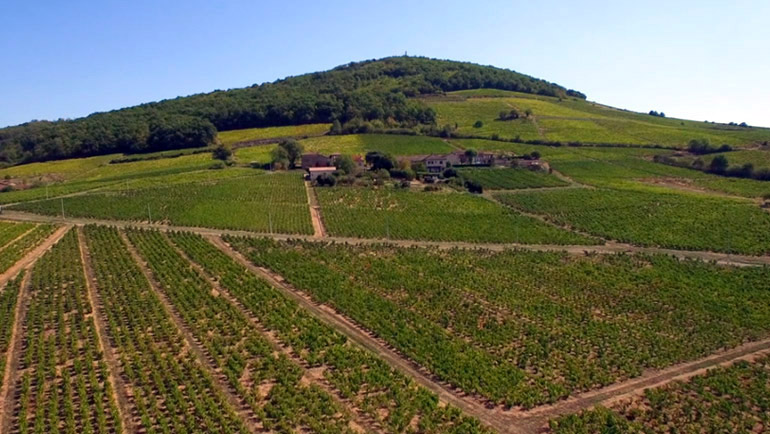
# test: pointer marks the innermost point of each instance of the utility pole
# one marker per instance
(46, 191)
(62, 208)
(387, 226)
(149, 215)
(270, 220)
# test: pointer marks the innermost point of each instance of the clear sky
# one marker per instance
(702, 60)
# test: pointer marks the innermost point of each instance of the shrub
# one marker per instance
(478, 124)
(474, 187)
(326, 180)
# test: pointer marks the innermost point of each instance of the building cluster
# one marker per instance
(317, 164)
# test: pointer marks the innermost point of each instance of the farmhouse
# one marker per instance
(319, 160)
(315, 172)
(315, 160)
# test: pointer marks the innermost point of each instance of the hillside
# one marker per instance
(376, 90)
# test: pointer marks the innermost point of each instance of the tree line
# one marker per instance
(351, 95)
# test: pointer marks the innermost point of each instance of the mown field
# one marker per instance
(250, 134)
(573, 120)
(436, 216)
(676, 220)
(256, 201)
(526, 328)
(733, 399)
(510, 179)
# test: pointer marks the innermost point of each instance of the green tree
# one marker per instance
(222, 152)
(293, 150)
(719, 164)
(345, 164)
(279, 157)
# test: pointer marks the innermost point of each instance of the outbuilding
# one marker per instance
(315, 172)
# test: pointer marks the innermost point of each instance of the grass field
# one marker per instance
(436, 216)
(237, 136)
(675, 220)
(510, 179)
(732, 399)
(526, 328)
(362, 143)
(258, 202)
(576, 120)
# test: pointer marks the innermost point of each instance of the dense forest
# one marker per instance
(362, 91)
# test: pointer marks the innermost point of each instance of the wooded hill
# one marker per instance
(367, 91)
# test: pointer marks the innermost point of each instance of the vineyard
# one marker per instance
(261, 202)
(364, 381)
(398, 214)
(61, 384)
(648, 218)
(733, 399)
(510, 179)
(269, 383)
(526, 328)
(10, 231)
(171, 391)
(16, 250)
(8, 299)
(250, 134)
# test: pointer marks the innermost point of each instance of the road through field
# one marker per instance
(608, 247)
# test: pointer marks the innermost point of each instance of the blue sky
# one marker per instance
(702, 60)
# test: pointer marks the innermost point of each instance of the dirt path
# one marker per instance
(12, 357)
(505, 421)
(609, 247)
(277, 344)
(319, 230)
(128, 417)
(368, 341)
(207, 361)
(33, 255)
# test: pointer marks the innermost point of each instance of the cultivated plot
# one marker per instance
(732, 399)
(657, 219)
(438, 216)
(264, 202)
(527, 328)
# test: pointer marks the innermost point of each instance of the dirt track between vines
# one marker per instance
(609, 247)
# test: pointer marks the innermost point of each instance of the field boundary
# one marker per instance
(611, 247)
(205, 360)
(114, 375)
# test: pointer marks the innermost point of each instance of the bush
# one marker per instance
(474, 187)
(478, 124)
(719, 164)
(222, 152)
(326, 180)
(219, 165)
(449, 173)
(406, 174)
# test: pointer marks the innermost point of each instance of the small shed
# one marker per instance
(315, 172)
